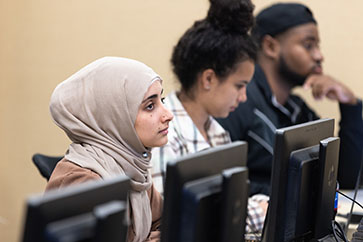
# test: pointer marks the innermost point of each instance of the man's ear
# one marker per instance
(208, 77)
(270, 47)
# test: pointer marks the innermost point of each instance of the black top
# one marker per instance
(256, 120)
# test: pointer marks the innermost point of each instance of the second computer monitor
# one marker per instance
(288, 140)
(311, 190)
(204, 183)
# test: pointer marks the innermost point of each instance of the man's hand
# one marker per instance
(325, 86)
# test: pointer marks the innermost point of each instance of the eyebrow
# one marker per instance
(152, 96)
(311, 38)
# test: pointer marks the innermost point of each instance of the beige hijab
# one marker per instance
(97, 108)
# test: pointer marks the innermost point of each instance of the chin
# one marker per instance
(161, 143)
(222, 115)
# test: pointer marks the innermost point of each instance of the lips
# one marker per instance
(164, 131)
(317, 69)
(233, 108)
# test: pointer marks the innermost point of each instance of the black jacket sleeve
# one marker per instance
(351, 144)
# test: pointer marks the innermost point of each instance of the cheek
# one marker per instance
(226, 99)
(152, 123)
(300, 61)
(142, 125)
(232, 94)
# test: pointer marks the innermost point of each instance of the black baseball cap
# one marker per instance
(280, 17)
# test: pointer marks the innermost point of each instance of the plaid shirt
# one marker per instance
(184, 138)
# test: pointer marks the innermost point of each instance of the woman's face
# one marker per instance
(152, 120)
(227, 94)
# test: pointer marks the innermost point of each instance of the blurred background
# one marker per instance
(43, 42)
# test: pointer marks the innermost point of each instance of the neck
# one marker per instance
(279, 86)
(195, 110)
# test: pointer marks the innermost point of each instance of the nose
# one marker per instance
(242, 97)
(167, 116)
(317, 55)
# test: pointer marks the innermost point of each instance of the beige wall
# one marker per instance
(43, 42)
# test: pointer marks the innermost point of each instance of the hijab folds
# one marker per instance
(97, 108)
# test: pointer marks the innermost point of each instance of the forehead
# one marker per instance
(244, 69)
(154, 89)
(302, 32)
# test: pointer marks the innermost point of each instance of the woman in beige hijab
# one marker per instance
(113, 113)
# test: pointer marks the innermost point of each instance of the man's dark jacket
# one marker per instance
(256, 120)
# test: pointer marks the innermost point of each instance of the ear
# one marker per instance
(208, 78)
(270, 47)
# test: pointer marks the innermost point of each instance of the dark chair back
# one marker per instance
(45, 164)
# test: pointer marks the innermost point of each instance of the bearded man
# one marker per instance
(289, 56)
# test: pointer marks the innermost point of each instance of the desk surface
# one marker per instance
(344, 206)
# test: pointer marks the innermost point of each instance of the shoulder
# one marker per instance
(67, 173)
(296, 98)
(155, 198)
(301, 102)
(156, 204)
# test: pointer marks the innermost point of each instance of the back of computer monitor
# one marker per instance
(199, 197)
(191, 167)
(311, 190)
(214, 208)
(287, 140)
(234, 203)
(78, 202)
(302, 172)
(328, 161)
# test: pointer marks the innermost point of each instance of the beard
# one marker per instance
(290, 76)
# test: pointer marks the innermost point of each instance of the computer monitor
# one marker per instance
(288, 140)
(311, 189)
(203, 183)
(92, 211)
(213, 208)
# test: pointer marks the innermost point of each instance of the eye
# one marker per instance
(240, 86)
(309, 45)
(163, 100)
(150, 107)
